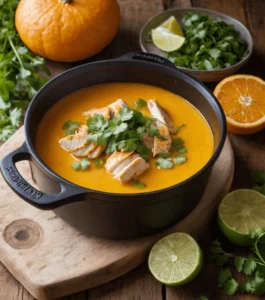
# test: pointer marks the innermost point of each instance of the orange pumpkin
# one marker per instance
(67, 30)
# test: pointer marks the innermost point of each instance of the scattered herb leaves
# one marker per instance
(140, 103)
(100, 162)
(164, 163)
(82, 164)
(180, 159)
(70, 127)
(138, 184)
(20, 77)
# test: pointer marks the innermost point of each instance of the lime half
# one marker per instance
(176, 259)
(168, 36)
(239, 213)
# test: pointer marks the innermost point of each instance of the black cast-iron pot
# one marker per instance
(108, 214)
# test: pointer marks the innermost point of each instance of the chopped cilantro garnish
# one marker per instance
(180, 159)
(99, 163)
(164, 155)
(153, 131)
(82, 164)
(97, 123)
(138, 184)
(140, 103)
(177, 144)
(182, 150)
(70, 127)
(164, 163)
(210, 44)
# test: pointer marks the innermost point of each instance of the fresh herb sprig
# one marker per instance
(20, 70)
(210, 44)
(252, 266)
(123, 133)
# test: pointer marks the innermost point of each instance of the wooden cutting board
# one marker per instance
(52, 259)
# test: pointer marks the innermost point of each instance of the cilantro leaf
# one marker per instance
(70, 127)
(164, 163)
(153, 131)
(129, 145)
(138, 184)
(223, 276)
(182, 150)
(15, 116)
(180, 159)
(144, 152)
(99, 163)
(164, 155)
(249, 267)
(239, 263)
(76, 165)
(230, 287)
(120, 128)
(82, 164)
(97, 123)
(126, 114)
(140, 103)
(259, 177)
(202, 298)
(85, 163)
(177, 144)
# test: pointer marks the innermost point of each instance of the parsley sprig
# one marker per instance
(20, 70)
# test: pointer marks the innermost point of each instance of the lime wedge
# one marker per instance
(239, 213)
(168, 36)
(173, 25)
(176, 259)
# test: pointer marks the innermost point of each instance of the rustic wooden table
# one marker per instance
(249, 155)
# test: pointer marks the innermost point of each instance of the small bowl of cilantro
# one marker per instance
(215, 46)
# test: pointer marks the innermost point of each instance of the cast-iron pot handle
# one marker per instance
(26, 191)
(150, 57)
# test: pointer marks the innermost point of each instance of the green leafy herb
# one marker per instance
(164, 163)
(153, 131)
(164, 155)
(177, 130)
(70, 127)
(97, 123)
(230, 287)
(253, 266)
(202, 298)
(82, 164)
(182, 150)
(180, 159)
(210, 44)
(100, 163)
(138, 184)
(140, 103)
(177, 144)
(259, 180)
(20, 71)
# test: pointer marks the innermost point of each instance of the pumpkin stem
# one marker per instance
(67, 1)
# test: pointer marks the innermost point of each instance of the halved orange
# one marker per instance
(243, 100)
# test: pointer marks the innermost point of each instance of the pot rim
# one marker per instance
(181, 75)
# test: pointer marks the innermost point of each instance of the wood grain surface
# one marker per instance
(249, 155)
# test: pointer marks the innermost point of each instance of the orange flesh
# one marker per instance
(243, 100)
(197, 136)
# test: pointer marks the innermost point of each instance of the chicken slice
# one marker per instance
(136, 168)
(104, 111)
(160, 146)
(85, 150)
(73, 142)
(116, 107)
(148, 141)
(125, 163)
(115, 159)
(96, 152)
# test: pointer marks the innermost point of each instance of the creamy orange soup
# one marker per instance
(196, 134)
